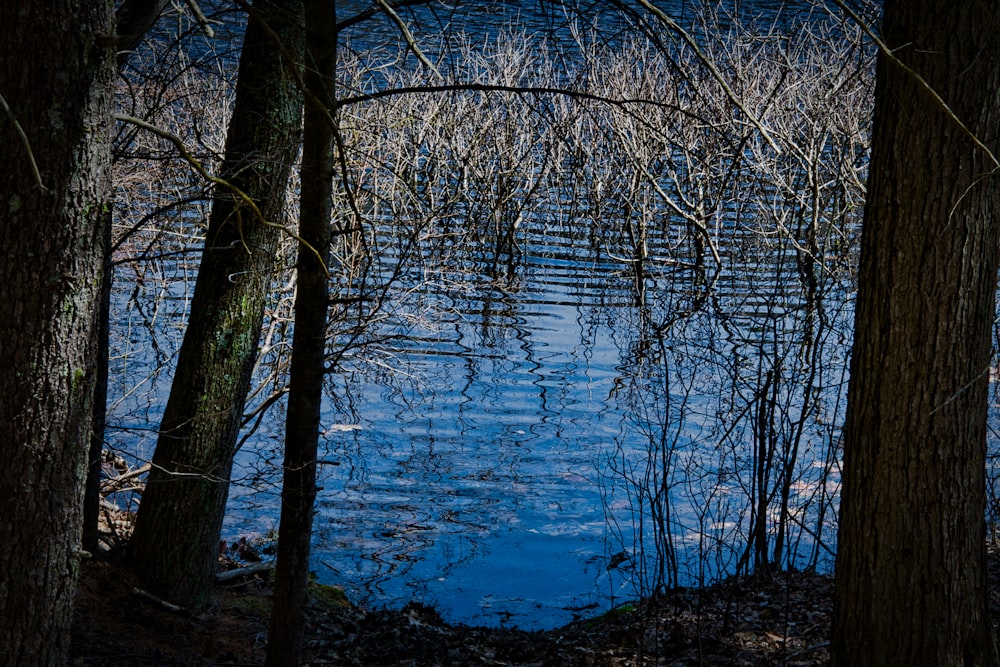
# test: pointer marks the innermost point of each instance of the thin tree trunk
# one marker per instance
(174, 548)
(50, 280)
(92, 485)
(911, 577)
(133, 20)
(305, 395)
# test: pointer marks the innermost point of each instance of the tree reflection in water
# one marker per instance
(582, 351)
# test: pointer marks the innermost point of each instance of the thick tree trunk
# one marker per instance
(174, 548)
(911, 578)
(305, 395)
(50, 279)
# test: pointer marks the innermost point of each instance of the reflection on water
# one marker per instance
(474, 481)
(603, 352)
(496, 459)
(495, 470)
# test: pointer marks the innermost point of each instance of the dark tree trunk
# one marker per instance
(133, 20)
(51, 244)
(175, 546)
(305, 396)
(911, 578)
(99, 407)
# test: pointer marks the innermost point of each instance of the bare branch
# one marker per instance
(499, 88)
(689, 40)
(24, 142)
(201, 18)
(408, 36)
(371, 11)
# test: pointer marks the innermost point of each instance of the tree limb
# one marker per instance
(240, 572)
(716, 74)
(408, 36)
(371, 11)
(496, 88)
(203, 172)
(200, 18)
(24, 142)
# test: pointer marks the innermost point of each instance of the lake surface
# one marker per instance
(525, 444)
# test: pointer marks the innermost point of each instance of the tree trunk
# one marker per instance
(50, 280)
(133, 20)
(99, 407)
(911, 578)
(305, 395)
(175, 546)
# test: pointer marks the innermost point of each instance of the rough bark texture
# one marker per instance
(175, 546)
(911, 579)
(50, 269)
(305, 395)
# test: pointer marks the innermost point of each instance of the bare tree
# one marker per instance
(308, 369)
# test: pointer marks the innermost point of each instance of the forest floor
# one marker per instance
(738, 622)
(784, 621)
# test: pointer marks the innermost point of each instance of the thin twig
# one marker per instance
(24, 141)
(716, 74)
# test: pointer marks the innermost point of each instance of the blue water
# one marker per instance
(473, 481)
(490, 457)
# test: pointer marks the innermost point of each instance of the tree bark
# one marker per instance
(911, 578)
(305, 395)
(133, 19)
(99, 406)
(174, 548)
(50, 280)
